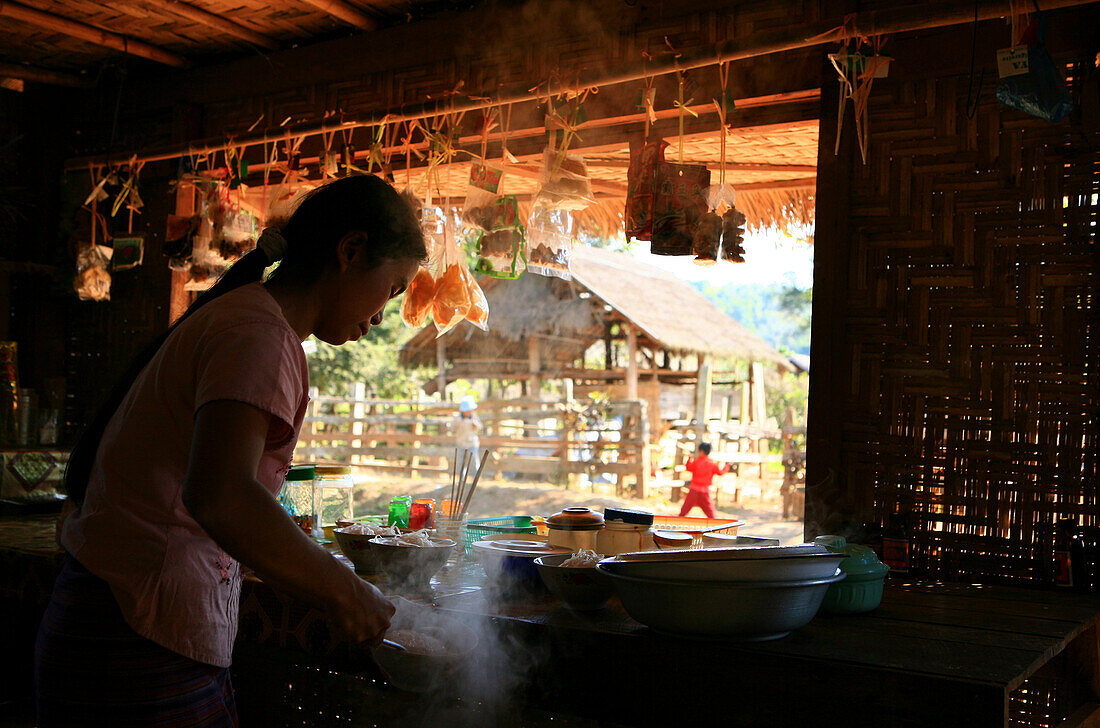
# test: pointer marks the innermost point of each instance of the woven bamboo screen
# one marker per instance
(963, 352)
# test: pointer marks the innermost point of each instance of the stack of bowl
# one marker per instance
(753, 593)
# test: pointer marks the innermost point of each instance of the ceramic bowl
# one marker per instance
(357, 548)
(417, 672)
(580, 588)
(738, 564)
(747, 611)
(412, 566)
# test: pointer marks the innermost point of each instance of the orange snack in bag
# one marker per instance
(478, 314)
(417, 303)
(452, 298)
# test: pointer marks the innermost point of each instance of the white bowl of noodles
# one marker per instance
(411, 559)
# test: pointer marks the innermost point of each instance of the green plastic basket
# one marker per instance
(478, 527)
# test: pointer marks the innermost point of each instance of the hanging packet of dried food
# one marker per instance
(549, 241)
(451, 302)
(93, 282)
(641, 186)
(564, 181)
(501, 246)
(478, 313)
(417, 303)
(680, 202)
(127, 252)
(482, 191)
(707, 237)
(733, 236)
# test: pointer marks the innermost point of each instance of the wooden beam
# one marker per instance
(90, 34)
(215, 21)
(730, 166)
(346, 12)
(783, 184)
(42, 75)
(631, 362)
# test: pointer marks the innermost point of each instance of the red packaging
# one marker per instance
(641, 186)
(680, 202)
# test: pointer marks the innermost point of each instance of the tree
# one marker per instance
(372, 360)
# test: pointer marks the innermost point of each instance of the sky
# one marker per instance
(770, 257)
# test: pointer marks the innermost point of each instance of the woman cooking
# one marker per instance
(174, 481)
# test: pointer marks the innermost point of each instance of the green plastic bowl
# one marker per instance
(861, 589)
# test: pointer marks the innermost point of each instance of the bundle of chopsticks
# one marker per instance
(461, 491)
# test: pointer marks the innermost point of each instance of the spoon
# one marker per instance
(394, 645)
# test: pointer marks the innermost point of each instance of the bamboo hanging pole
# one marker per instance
(869, 23)
(91, 34)
(215, 21)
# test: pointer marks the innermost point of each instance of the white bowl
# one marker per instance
(730, 565)
(748, 611)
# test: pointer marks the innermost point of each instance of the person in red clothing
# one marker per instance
(702, 470)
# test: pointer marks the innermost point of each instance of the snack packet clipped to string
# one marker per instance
(680, 202)
(93, 282)
(482, 192)
(707, 237)
(564, 182)
(501, 246)
(451, 302)
(549, 241)
(416, 306)
(478, 313)
(641, 186)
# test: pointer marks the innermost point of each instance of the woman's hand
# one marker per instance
(362, 613)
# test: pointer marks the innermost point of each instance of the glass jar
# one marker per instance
(625, 531)
(296, 496)
(399, 511)
(420, 514)
(333, 491)
(574, 528)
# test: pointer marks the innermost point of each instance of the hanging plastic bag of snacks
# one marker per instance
(707, 237)
(564, 183)
(733, 236)
(478, 313)
(417, 303)
(451, 302)
(482, 192)
(501, 245)
(93, 282)
(641, 186)
(680, 202)
(549, 241)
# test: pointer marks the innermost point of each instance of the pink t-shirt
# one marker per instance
(172, 582)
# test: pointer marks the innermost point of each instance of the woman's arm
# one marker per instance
(222, 494)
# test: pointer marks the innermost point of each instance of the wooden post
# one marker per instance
(534, 366)
(758, 410)
(642, 433)
(441, 362)
(357, 392)
(631, 362)
(702, 399)
(608, 352)
(178, 297)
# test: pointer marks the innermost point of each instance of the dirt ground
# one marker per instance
(759, 506)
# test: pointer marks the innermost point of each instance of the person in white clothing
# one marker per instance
(466, 426)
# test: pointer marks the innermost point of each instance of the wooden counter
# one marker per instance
(931, 654)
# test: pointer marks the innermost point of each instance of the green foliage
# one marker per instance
(372, 360)
(777, 313)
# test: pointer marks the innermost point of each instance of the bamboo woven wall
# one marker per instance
(956, 322)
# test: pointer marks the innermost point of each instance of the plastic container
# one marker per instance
(574, 528)
(625, 531)
(333, 489)
(861, 589)
(400, 508)
(455, 529)
(296, 496)
(478, 528)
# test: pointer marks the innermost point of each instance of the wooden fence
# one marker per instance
(551, 440)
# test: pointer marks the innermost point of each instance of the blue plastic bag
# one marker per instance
(1042, 91)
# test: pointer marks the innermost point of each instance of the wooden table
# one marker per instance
(932, 654)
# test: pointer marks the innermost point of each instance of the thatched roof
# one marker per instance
(668, 313)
